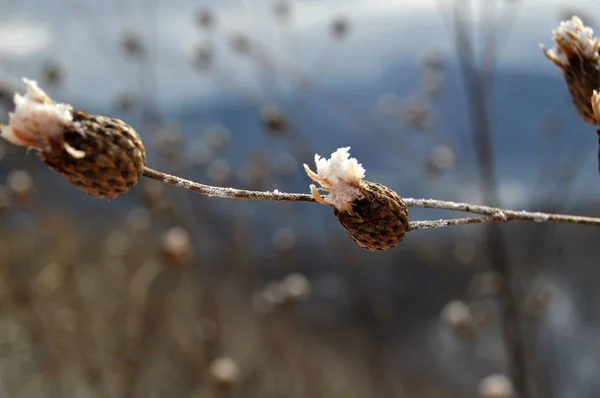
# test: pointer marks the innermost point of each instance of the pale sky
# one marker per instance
(84, 36)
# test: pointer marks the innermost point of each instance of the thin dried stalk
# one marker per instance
(492, 214)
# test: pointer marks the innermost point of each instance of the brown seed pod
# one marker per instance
(374, 216)
(109, 155)
(582, 79)
(378, 221)
(577, 55)
(102, 156)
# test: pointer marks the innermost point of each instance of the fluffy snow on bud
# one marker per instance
(37, 119)
(572, 38)
(340, 176)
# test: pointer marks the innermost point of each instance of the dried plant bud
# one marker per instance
(576, 54)
(418, 115)
(282, 10)
(274, 119)
(20, 183)
(132, 44)
(103, 157)
(241, 43)
(496, 386)
(297, 287)
(203, 56)
(340, 27)
(126, 101)
(374, 216)
(53, 73)
(457, 314)
(224, 372)
(284, 239)
(176, 246)
(441, 159)
(206, 19)
(434, 61)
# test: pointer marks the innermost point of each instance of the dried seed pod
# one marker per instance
(103, 157)
(496, 386)
(378, 220)
(577, 55)
(224, 372)
(373, 215)
(111, 155)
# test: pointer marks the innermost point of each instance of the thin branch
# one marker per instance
(433, 224)
(230, 193)
(501, 215)
(492, 214)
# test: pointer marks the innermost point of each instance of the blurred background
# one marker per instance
(165, 293)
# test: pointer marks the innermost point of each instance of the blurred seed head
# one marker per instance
(241, 43)
(139, 219)
(176, 246)
(206, 19)
(132, 44)
(417, 114)
(169, 144)
(539, 300)
(340, 27)
(297, 286)
(126, 102)
(441, 159)
(255, 173)
(284, 239)
(282, 10)
(261, 304)
(20, 184)
(53, 73)
(487, 283)
(217, 136)
(432, 82)
(274, 119)
(457, 315)
(224, 372)
(203, 56)
(496, 386)
(434, 61)
(117, 243)
(154, 197)
(276, 293)
(219, 170)
(49, 279)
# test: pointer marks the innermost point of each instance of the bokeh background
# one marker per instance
(165, 293)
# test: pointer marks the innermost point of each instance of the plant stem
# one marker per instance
(492, 214)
